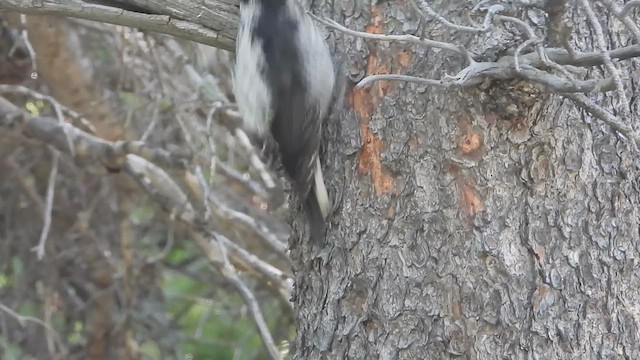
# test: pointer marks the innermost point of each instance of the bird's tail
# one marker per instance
(318, 206)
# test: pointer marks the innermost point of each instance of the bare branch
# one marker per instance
(237, 178)
(272, 240)
(53, 132)
(606, 117)
(623, 15)
(130, 156)
(58, 108)
(217, 253)
(423, 6)
(401, 38)
(162, 188)
(227, 213)
(254, 309)
(224, 18)
(171, 236)
(508, 67)
(562, 56)
(530, 33)
(255, 159)
(627, 7)
(269, 271)
(516, 61)
(611, 68)
(44, 234)
(560, 85)
(27, 43)
(395, 77)
(475, 74)
(22, 320)
(528, 29)
(169, 195)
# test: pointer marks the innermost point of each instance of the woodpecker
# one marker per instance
(284, 82)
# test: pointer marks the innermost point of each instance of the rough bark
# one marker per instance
(466, 228)
(497, 221)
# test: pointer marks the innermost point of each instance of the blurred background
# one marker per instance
(91, 264)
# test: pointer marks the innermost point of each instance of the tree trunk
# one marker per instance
(495, 222)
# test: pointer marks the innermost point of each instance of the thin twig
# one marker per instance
(476, 73)
(22, 320)
(205, 187)
(505, 68)
(516, 61)
(597, 111)
(611, 68)
(48, 309)
(272, 240)
(396, 77)
(383, 37)
(423, 6)
(623, 13)
(627, 7)
(212, 145)
(584, 59)
(58, 108)
(276, 276)
(165, 250)
(27, 44)
(135, 156)
(530, 33)
(44, 234)
(255, 159)
(229, 272)
(606, 117)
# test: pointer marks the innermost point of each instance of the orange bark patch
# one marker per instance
(470, 143)
(456, 309)
(413, 143)
(540, 252)
(453, 169)
(404, 58)
(365, 100)
(390, 213)
(470, 201)
(369, 161)
(540, 297)
(377, 20)
(471, 140)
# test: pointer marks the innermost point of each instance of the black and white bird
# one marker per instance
(283, 83)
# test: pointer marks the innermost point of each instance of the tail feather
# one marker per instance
(320, 190)
(318, 205)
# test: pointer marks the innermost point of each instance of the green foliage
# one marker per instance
(102, 53)
(165, 104)
(77, 336)
(142, 214)
(177, 255)
(16, 267)
(213, 326)
(150, 350)
(28, 309)
(131, 99)
(34, 107)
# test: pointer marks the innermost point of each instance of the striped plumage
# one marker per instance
(283, 83)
